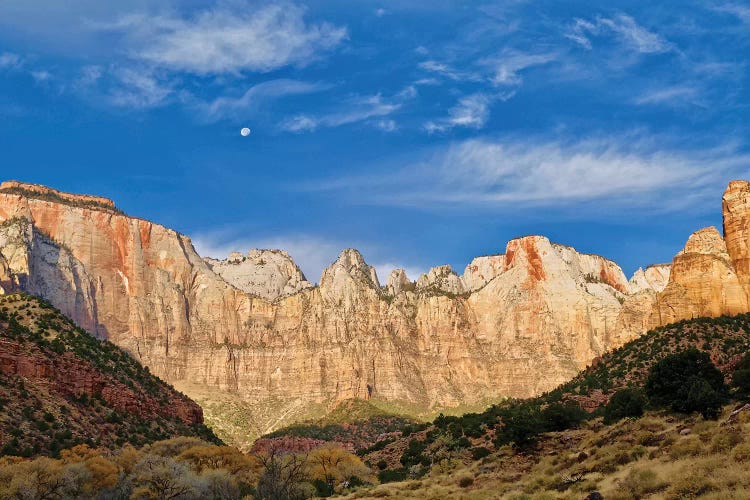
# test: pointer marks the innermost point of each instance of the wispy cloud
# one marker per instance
(357, 109)
(41, 76)
(136, 88)
(9, 60)
(229, 40)
(631, 171)
(255, 97)
(449, 72)
(670, 95)
(741, 12)
(471, 111)
(508, 65)
(625, 28)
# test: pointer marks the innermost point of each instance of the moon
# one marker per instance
(245, 132)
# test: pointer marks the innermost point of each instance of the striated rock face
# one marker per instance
(269, 274)
(702, 282)
(654, 278)
(736, 212)
(253, 343)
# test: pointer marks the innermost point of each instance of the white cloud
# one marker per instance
(355, 110)
(254, 97)
(41, 76)
(678, 94)
(224, 40)
(741, 12)
(623, 27)
(380, 12)
(630, 171)
(386, 125)
(9, 60)
(449, 72)
(138, 89)
(471, 111)
(300, 123)
(508, 65)
(89, 76)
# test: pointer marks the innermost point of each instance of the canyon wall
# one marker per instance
(251, 337)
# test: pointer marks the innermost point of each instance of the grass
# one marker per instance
(632, 459)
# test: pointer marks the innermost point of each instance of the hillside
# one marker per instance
(59, 386)
(658, 456)
(726, 339)
(475, 435)
(353, 424)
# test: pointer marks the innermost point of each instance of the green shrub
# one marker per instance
(559, 417)
(687, 382)
(625, 403)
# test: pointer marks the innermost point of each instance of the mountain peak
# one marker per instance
(351, 262)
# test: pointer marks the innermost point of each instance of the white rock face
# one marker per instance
(441, 278)
(397, 282)
(482, 270)
(653, 278)
(592, 268)
(269, 274)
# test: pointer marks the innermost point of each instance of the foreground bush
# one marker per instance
(625, 403)
(687, 382)
(185, 468)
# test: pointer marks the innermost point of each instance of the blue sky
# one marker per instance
(422, 133)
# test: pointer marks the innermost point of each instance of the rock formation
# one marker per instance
(398, 282)
(269, 274)
(654, 278)
(441, 279)
(258, 346)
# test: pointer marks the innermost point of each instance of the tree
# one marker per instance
(559, 417)
(282, 476)
(521, 424)
(625, 403)
(334, 465)
(687, 382)
(741, 377)
(163, 478)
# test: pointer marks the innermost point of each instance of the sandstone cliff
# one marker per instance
(269, 274)
(257, 347)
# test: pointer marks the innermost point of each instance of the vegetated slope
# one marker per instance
(659, 456)
(354, 424)
(726, 339)
(60, 386)
(475, 435)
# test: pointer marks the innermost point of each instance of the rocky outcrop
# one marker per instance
(481, 270)
(441, 279)
(736, 213)
(398, 282)
(702, 282)
(269, 274)
(44, 192)
(654, 278)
